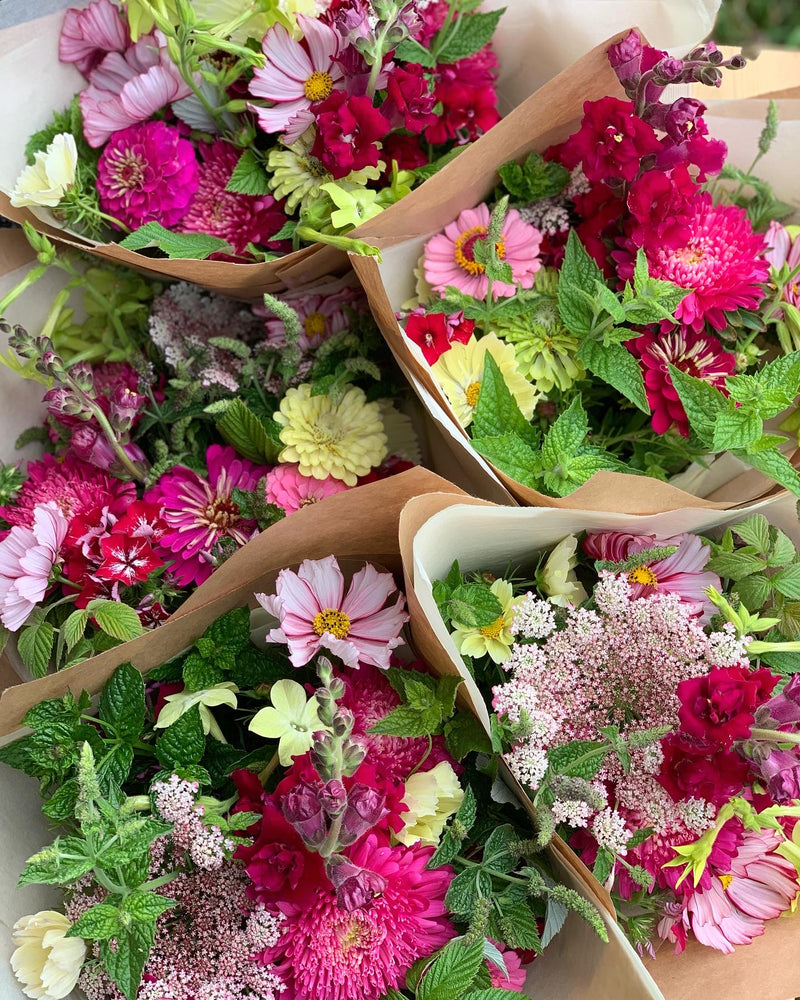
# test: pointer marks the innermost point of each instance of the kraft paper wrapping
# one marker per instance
(550, 115)
(360, 525)
(536, 40)
(438, 528)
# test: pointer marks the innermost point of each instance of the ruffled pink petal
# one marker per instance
(14, 609)
(149, 92)
(113, 73)
(102, 117)
(325, 581)
(368, 592)
(347, 652)
(279, 118)
(285, 55)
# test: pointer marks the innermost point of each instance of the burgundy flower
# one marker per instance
(692, 769)
(355, 887)
(782, 773)
(784, 708)
(435, 332)
(348, 130)
(656, 201)
(405, 150)
(303, 809)
(612, 140)
(718, 708)
(625, 57)
(409, 102)
(365, 808)
(467, 111)
(600, 211)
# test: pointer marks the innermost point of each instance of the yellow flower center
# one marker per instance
(333, 621)
(493, 631)
(318, 86)
(465, 249)
(472, 393)
(643, 575)
(726, 880)
(314, 324)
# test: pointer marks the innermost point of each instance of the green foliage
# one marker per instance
(249, 434)
(186, 246)
(534, 179)
(427, 704)
(249, 176)
(182, 743)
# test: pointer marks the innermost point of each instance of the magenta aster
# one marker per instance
(329, 953)
(147, 173)
(721, 261)
(200, 512)
(698, 354)
(237, 218)
(449, 257)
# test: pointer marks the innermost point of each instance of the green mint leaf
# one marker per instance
(465, 889)
(73, 628)
(782, 374)
(701, 401)
(188, 246)
(474, 606)
(609, 302)
(115, 619)
(100, 923)
(603, 865)
(134, 841)
(579, 758)
(565, 436)
(35, 644)
(498, 849)
(403, 680)
(145, 907)
(466, 35)
(48, 867)
(61, 804)
(411, 720)
(519, 928)
(125, 965)
(231, 630)
(496, 411)
(258, 666)
(200, 673)
(534, 179)
(491, 993)
(122, 702)
(411, 51)
(578, 274)
(446, 691)
(511, 455)
(245, 432)
(183, 742)
(463, 734)
(616, 366)
(775, 465)
(736, 428)
(249, 176)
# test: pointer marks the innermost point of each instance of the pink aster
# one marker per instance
(201, 513)
(288, 489)
(314, 612)
(296, 76)
(87, 35)
(699, 354)
(721, 261)
(683, 573)
(328, 953)
(27, 558)
(449, 257)
(321, 316)
(237, 218)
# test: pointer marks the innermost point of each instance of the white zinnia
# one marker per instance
(431, 798)
(47, 179)
(557, 577)
(46, 962)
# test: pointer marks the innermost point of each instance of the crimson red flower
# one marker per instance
(405, 150)
(409, 101)
(656, 201)
(467, 112)
(600, 211)
(143, 520)
(435, 332)
(719, 706)
(126, 559)
(694, 769)
(612, 140)
(348, 131)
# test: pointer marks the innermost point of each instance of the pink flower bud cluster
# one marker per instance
(175, 802)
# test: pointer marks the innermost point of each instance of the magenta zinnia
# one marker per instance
(147, 173)
(200, 512)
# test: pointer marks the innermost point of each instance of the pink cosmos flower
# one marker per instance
(147, 173)
(314, 612)
(125, 89)
(721, 261)
(682, 573)
(449, 257)
(321, 316)
(27, 558)
(329, 953)
(288, 489)
(87, 35)
(783, 248)
(200, 512)
(296, 76)
(237, 218)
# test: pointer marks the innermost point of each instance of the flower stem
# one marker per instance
(774, 736)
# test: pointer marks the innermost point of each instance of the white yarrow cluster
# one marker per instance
(533, 617)
(610, 832)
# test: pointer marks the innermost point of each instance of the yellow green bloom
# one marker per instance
(354, 204)
(557, 577)
(431, 798)
(495, 639)
(180, 703)
(291, 719)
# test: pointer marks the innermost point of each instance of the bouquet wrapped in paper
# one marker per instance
(240, 133)
(288, 801)
(639, 672)
(621, 301)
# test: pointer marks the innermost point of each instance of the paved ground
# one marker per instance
(15, 11)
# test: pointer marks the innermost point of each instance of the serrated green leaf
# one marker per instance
(782, 549)
(54, 870)
(603, 865)
(122, 702)
(410, 720)
(465, 889)
(61, 804)
(496, 411)
(510, 454)
(736, 428)
(521, 927)
(125, 965)
(183, 742)
(578, 273)
(446, 691)
(74, 627)
(243, 430)
(787, 581)
(702, 402)
(776, 466)
(99, 923)
(754, 590)
(534, 179)
(114, 768)
(249, 176)
(463, 734)
(410, 50)
(147, 906)
(565, 436)
(616, 366)
(736, 565)
(115, 619)
(35, 645)
(497, 851)
(753, 530)
(474, 606)
(188, 246)
(579, 759)
(466, 36)
(554, 919)
(200, 673)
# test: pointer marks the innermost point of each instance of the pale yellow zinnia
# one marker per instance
(459, 371)
(343, 437)
(496, 639)
(50, 176)
(46, 962)
(557, 577)
(431, 798)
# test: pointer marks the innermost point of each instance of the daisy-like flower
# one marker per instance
(200, 512)
(179, 703)
(87, 35)
(344, 439)
(495, 639)
(698, 354)
(296, 175)
(27, 558)
(296, 76)
(556, 579)
(314, 612)
(721, 262)
(321, 316)
(50, 176)
(291, 719)
(459, 371)
(287, 488)
(46, 962)
(449, 257)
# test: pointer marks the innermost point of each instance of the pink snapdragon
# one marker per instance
(27, 558)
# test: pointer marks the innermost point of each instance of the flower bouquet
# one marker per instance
(242, 131)
(615, 307)
(176, 424)
(649, 664)
(279, 808)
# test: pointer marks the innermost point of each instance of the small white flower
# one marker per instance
(208, 698)
(557, 577)
(46, 961)
(47, 179)
(293, 720)
(431, 797)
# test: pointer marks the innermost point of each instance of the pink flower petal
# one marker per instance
(325, 581)
(368, 592)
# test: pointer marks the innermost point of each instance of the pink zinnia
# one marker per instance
(297, 75)
(147, 173)
(697, 354)
(237, 218)
(721, 261)
(27, 557)
(683, 573)
(321, 316)
(200, 512)
(449, 257)
(314, 612)
(329, 953)
(87, 35)
(288, 489)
